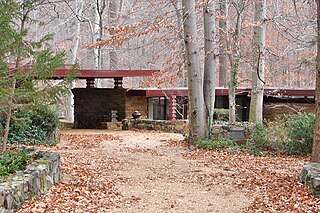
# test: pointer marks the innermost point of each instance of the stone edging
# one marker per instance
(310, 176)
(33, 182)
(177, 126)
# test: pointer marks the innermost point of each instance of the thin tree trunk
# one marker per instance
(69, 98)
(259, 38)
(235, 63)
(98, 32)
(8, 117)
(315, 155)
(14, 84)
(223, 58)
(210, 61)
(197, 118)
(233, 82)
(113, 13)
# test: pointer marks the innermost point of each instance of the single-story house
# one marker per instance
(93, 106)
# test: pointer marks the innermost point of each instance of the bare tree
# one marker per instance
(223, 57)
(234, 50)
(69, 98)
(197, 114)
(209, 18)
(259, 43)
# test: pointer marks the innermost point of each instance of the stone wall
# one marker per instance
(178, 126)
(239, 133)
(92, 106)
(134, 103)
(32, 182)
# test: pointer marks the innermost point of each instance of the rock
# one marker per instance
(310, 176)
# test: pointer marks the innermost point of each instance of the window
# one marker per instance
(158, 108)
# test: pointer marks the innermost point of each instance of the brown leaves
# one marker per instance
(87, 185)
(273, 181)
(92, 176)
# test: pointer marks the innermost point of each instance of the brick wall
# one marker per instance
(139, 103)
(93, 106)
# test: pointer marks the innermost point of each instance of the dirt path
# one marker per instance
(131, 171)
(164, 180)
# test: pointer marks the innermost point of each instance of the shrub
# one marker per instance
(300, 131)
(33, 125)
(259, 137)
(290, 134)
(11, 161)
(215, 144)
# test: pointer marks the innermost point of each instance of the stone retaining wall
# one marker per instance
(239, 134)
(178, 126)
(34, 181)
(310, 176)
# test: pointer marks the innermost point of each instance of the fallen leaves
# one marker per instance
(273, 181)
(90, 176)
(87, 184)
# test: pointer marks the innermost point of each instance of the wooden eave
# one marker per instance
(84, 74)
(241, 91)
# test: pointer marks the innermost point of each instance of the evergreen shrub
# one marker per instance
(32, 125)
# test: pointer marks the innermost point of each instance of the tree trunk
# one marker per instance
(315, 155)
(98, 32)
(14, 84)
(223, 58)
(235, 62)
(69, 99)
(197, 117)
(233, 82)
(210, 61)
(113, 13)
(8, 116)
(259, 39)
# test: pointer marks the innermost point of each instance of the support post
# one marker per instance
(90, 82)
(118, 82)
(172, 107)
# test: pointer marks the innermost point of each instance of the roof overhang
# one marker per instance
(184, 92)
(157, 92)
(84, 74)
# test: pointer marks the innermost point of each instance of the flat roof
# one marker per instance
(268, 91)
(84, 73)
(92, 73)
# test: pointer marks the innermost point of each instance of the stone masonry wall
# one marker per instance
(238, 133)
(92, 106)
(178, 126)
(134, 103)
(32, 182)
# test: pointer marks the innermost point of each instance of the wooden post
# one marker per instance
(90, 82)
(118, 82)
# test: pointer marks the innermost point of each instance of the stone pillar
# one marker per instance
(172, 107)
(118, 82)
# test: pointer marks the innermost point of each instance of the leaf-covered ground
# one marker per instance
(141, 171)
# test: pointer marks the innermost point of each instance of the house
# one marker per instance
(93, 106)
